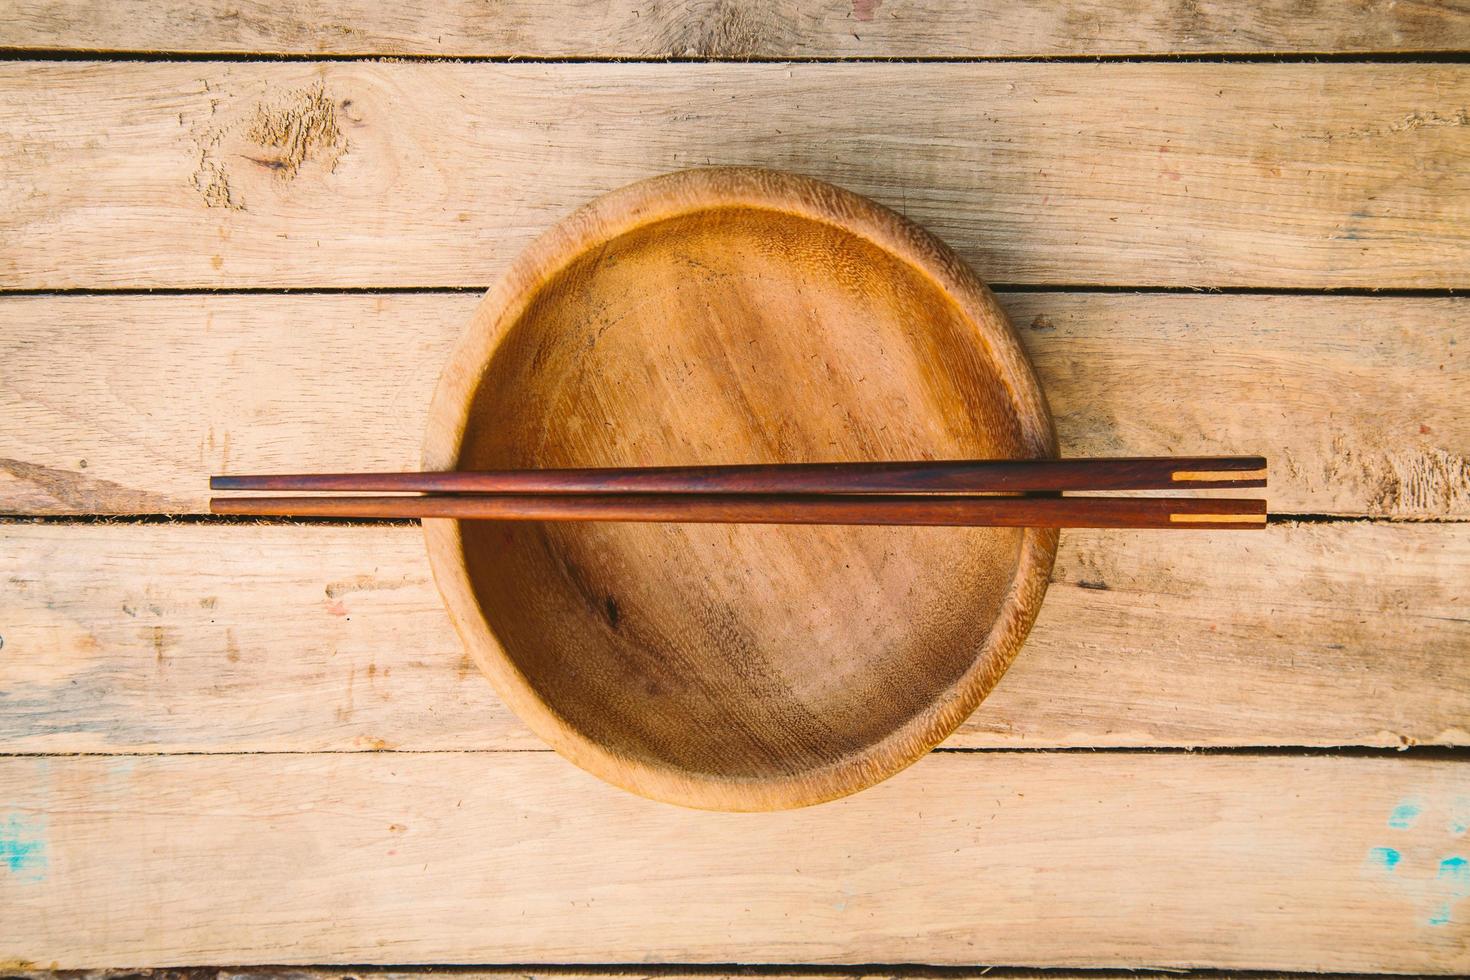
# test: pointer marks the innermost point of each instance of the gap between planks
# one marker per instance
(1441, 56)
(1000, 288)
(1420, 753)
(230, 520)
(663, 971)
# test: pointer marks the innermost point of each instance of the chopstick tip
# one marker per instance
(225, 505)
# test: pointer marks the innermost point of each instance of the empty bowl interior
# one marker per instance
(738, 335)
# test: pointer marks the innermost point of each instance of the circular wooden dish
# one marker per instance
(738, 316)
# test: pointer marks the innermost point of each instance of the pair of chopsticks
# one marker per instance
(938, 493)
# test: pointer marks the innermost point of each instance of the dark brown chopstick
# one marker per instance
(939, 476)
(950, 511)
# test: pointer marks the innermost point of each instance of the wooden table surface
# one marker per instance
(239, 235)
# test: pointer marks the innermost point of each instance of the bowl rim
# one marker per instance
(658, 199)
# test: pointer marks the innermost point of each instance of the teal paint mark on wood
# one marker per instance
(1454, 876)
(23, 847)
(1460, 815)
(1405, 814)
(1385, 858)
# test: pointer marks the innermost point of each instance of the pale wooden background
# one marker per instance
(241, 235)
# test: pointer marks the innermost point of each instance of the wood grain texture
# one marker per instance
(743, 315)
(1029, 859)
(194, 638)
(721, 29)
(1358, 401)
(380, 174)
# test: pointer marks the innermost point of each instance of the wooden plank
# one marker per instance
(710, 29)
(1025, 859)
(200, 638)
(173, 389)
(1358, 402)
(381, 174)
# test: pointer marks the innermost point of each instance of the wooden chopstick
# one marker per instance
(940, 476)
(952, 511)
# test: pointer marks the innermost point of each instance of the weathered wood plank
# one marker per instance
(1029, 859)
(173, 389)
(1358, 402)
(379, 174)
(198, 638)
(715, 29)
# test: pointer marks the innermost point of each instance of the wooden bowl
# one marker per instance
(738, 316)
